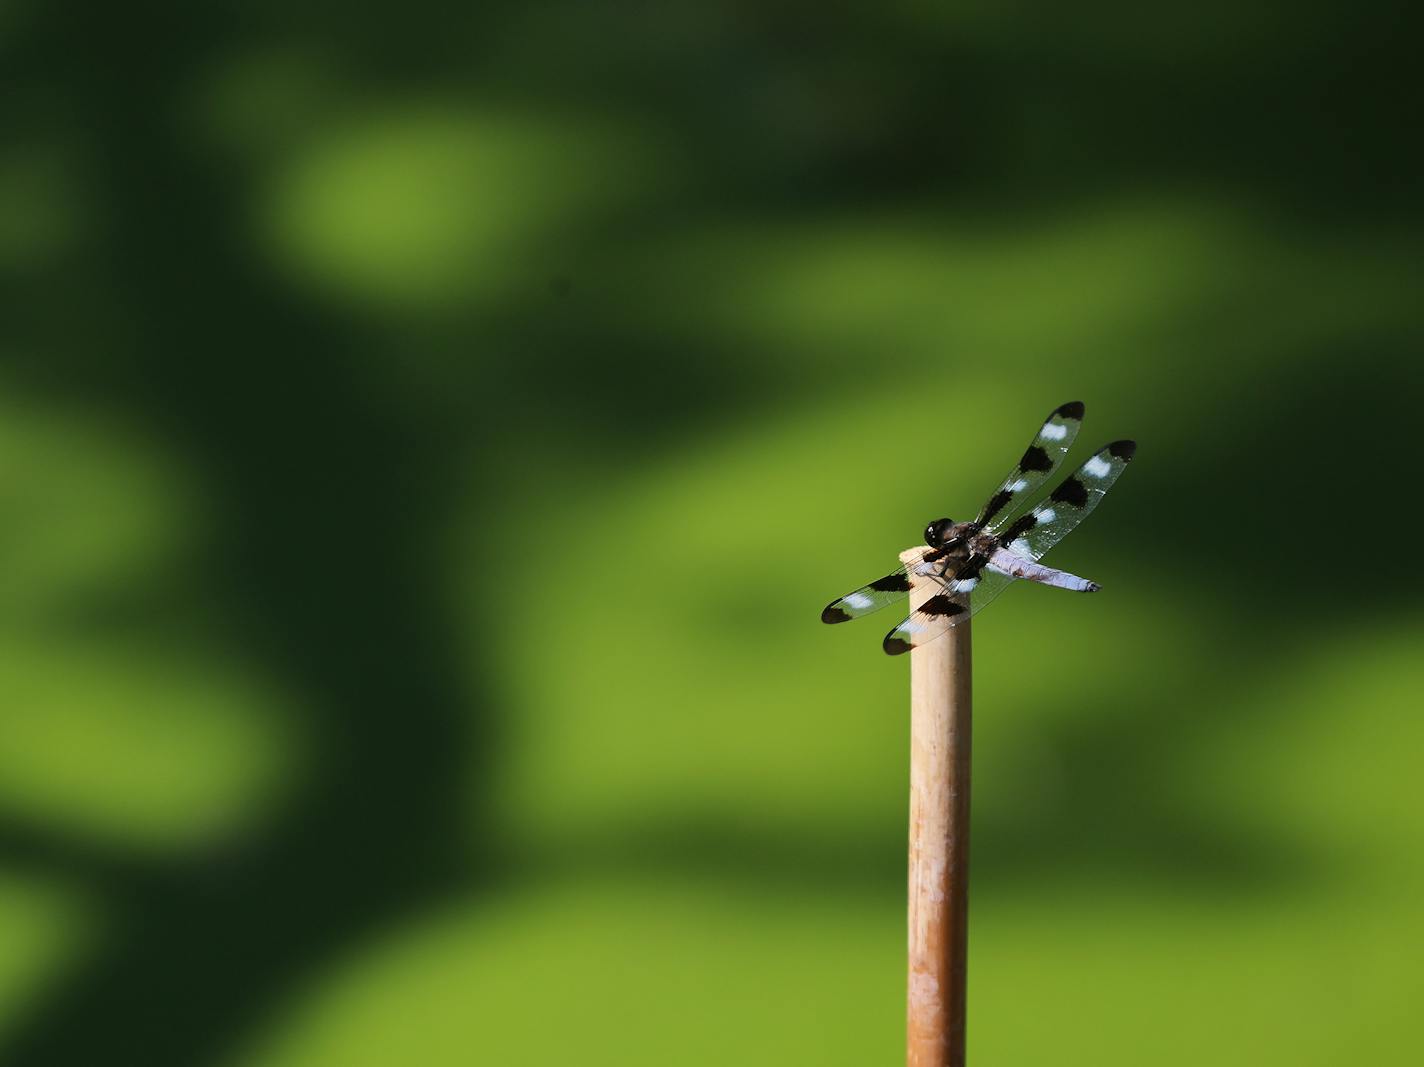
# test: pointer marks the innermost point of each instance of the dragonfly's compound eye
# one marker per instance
(937, 531)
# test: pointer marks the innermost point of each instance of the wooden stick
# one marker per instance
(940, 736)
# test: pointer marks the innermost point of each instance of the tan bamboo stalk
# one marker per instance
(940, 737)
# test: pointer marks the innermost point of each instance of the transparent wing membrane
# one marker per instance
(878, 594)
(1042, 457)
(1069, 504)
(966, 590)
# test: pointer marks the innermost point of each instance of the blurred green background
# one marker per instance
(428, 435)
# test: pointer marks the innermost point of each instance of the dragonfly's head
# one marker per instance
(938, 532)
(946, 533)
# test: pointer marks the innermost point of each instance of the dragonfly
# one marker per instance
(968, 564)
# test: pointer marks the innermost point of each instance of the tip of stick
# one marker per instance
(913, 554)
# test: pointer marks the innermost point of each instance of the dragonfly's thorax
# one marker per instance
(982, 544)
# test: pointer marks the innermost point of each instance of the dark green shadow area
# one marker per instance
(359, 271)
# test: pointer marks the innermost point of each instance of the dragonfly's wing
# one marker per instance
(975, 582)
(968, 587)
(1044, 453)
(878, 594)
(965, 587)
(1040, 529)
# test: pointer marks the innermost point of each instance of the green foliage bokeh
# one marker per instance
(426, 444)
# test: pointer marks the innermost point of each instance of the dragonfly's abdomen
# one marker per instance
(1007, 562)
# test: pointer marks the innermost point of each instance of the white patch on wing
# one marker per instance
(1019, 486)
(1046, 515)
(1000, 571)
(965, 585)
(1097, 467)
(908, 627)
(1053, 432)
(1019, 547)
(859, 601)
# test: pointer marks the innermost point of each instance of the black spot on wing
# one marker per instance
(1071, 410)
(1071, 492)
(832, 613)
(941, 605)
(972, 567)
(996, 504)
(1022, 525)
(1035, 459)
(899, 582)
(894, 646)
(1123, 450)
